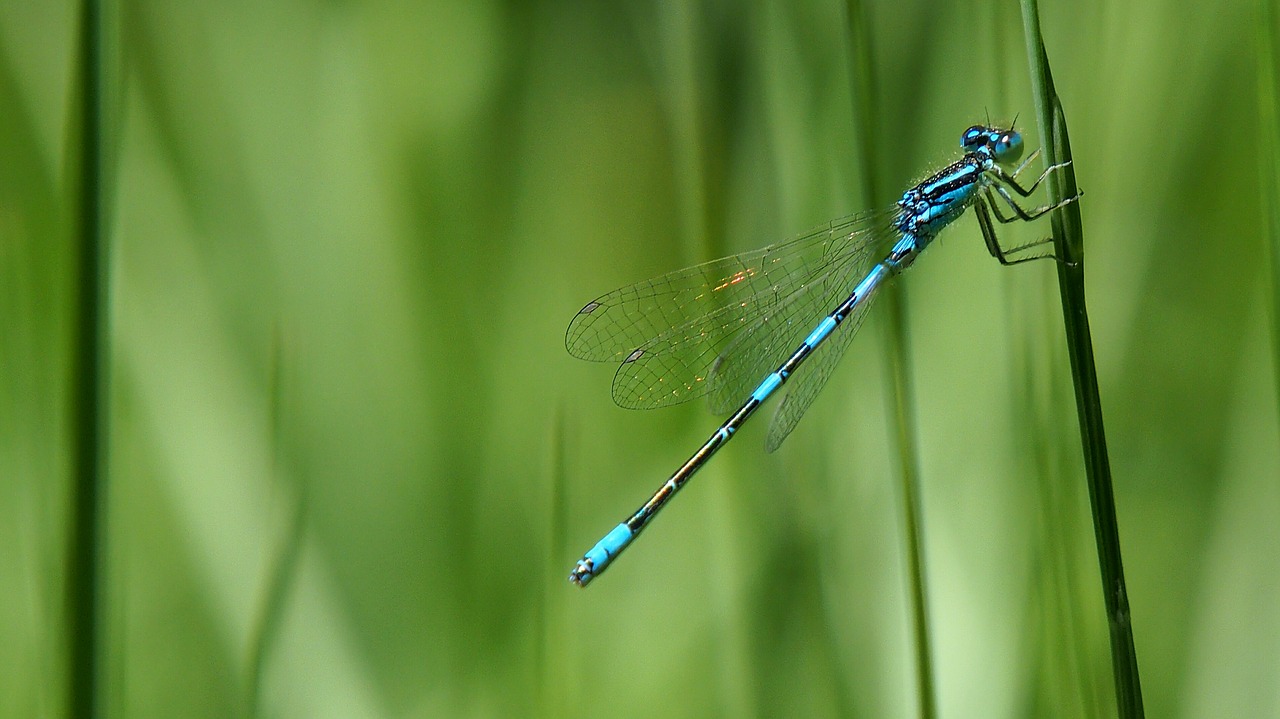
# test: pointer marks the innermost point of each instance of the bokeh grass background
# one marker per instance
(351, 462)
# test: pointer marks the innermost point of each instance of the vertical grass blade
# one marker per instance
(269, 622)
(1069, 247)
(904, 422)
(1269, 163)
(89, 358)
(902, 396)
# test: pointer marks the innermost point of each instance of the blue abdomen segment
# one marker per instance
(599, 556)
(767, 387)
(871, 281)
(820, 332)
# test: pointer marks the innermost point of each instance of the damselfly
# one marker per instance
(739, 327)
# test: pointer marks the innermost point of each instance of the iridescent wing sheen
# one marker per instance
(667, 332)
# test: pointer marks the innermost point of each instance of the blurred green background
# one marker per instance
(351, 463)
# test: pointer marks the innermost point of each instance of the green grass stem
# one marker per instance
(1269, 163)
(901, 392)
(269, 622)
(89, 371)
(1069, 247)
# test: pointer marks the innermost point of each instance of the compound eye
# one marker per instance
(1008, 147)
(973, 137)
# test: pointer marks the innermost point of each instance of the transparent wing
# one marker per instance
(759, 348)
(612, 326)
(808, 381)
(667, 332)
(655, 379)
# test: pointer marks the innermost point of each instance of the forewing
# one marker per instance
(760, 348)
(667, 332)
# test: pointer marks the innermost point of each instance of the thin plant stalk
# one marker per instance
(89, 367)
(901, 392)
(268, 625)
(1069, 248)
(1268, 157)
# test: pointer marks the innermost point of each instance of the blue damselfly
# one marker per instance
(718, 328)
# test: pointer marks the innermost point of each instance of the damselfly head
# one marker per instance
(1001, 144)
